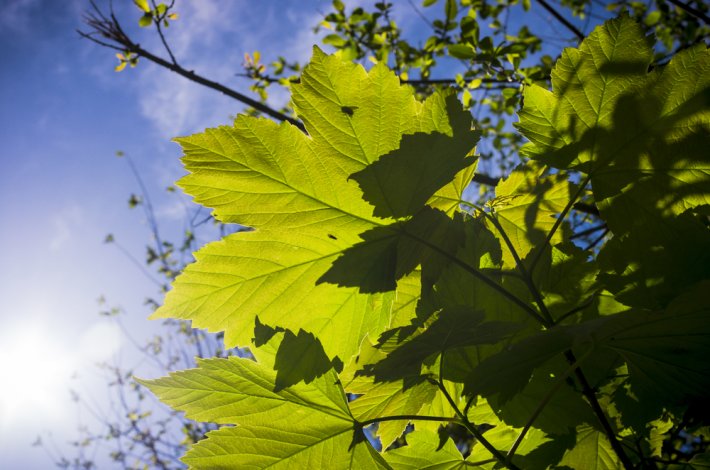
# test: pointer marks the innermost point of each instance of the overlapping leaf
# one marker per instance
(620, 124)
(642, 139)
(525, 207)
(294, 189)
(290, 428)
(423, 451)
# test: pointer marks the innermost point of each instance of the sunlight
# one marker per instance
(35, 372)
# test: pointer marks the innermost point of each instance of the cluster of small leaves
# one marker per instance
(380, 307)
(155, 13)
(492, 57)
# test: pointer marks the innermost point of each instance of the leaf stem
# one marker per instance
(471, 427)
(543, 403)
(407, 418)
(546, 320)
(558, 222)
(591, 397)
(478, 274)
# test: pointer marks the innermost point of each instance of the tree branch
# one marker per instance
(693, 11)
(110, 29)
(591, 397)
(157, 22)
(561, 19)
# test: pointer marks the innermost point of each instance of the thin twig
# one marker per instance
(558, 223)
(157, 21)
(588, 231)
(591, 396)
(689, 9)
(543, 403)
(471, 427)
(110, 29)
(561, 19)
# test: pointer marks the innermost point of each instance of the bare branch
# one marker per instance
(689, 9)
(561, 19)
(110, 29)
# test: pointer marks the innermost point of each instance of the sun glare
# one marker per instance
(35, 374)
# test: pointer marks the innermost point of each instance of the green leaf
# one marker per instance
(666, 352)
(384, 398)
(279, 448)
(451, 329)
(401, 182)
(389, 399)
(525, 206)
(294, 189)
(289, 427)
(422, 451)
(452, 9)
(335, 40)
(652, 265)
(143, 5)
(611, 119)
(388, 253)
(300, 357)
(222, 291)
(506, 373)
(145, 20)
(462, 51)
(592, 451)
(641, 138)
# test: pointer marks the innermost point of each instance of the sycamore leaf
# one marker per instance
(389, 399)
(666, 352)
(525, 206)
(592, 451)
(277, 429)
(422, 451)
(610, 118)
(401, 182)
(278, 448)
(648, 267)
(501, 436)
(294, 189)
(451, 329)
(642, 139)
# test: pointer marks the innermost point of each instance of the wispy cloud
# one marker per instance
(211, 38)
(64, 225)
(17, 15)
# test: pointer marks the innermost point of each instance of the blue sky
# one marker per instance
(64, 113)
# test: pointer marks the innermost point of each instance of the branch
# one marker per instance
(543, 403)
(561, 19)
(498, 83)
(693, 11)
(110, 29)
(157, 22)
(471, 427)
(558, 222)
(591, 396)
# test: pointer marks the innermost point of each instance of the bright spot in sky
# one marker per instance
(35, 370)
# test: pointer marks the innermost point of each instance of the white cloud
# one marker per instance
(100, 342)
(17, 15)
(210, 38)
(64, 224)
